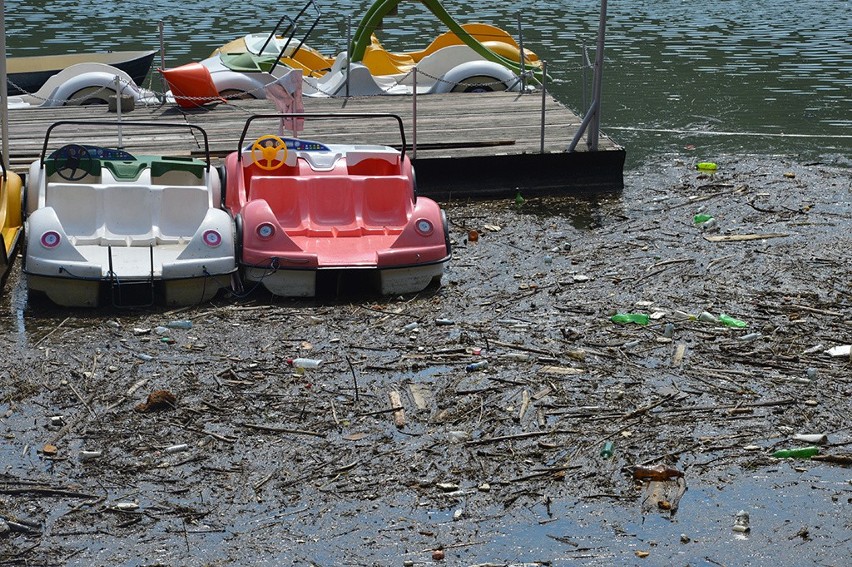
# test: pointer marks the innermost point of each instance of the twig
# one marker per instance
(785, 402)
(216, 436)
(521, 347)
(82, 401)
(273, 429)
(260, 484)
(399, 411)
(354, 378)
(56, 328)
(814, 310)
(47, 491)
(507, 438)
(668, 262)
(838, 459)
(649, 407)
(743, 237)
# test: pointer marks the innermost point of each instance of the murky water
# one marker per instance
(766, 77)
(762, 77)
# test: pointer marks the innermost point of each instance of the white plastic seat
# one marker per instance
(181, 212)
(127, 215)
(78, 208)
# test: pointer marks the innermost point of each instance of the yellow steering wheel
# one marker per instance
(268, 152)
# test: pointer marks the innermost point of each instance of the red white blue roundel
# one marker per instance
(50, 239)
(212, 238)
(424, 227)
(265, 230)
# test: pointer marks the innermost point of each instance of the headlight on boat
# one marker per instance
(212, 238)
(424, 227)
(50, 239)
(265, 231)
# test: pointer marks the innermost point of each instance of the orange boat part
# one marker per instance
(192, 85)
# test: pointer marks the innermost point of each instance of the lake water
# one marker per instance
(743, 76)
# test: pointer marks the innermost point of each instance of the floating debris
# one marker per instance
(158, 400)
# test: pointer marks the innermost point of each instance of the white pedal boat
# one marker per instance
(103, 223)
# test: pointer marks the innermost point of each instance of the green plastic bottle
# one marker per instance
(638, 318)
(802, 453)
(606, 451)
(731, 322)
(701, 218)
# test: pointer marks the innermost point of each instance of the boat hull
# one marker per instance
(67, 292)
(28, 74)
(11, 219)
(310, 214)
(303, 283)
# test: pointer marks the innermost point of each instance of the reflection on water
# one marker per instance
(14, 302)
(583, 213)
(678, 73)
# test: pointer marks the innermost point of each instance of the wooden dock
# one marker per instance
(483, 145)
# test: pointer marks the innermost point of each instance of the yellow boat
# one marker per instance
(10, 216)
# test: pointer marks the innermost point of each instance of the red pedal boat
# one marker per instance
(303, 207)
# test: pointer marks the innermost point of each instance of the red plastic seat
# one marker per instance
(331, 207)
(284, 196)
(386, 202)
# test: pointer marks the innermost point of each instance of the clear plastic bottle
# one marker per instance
(180, 324)
(304, 362)
(707, 317)
(476, 365)
(741, 522)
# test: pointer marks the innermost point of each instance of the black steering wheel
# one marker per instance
(73, 162)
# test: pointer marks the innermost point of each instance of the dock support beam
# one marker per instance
(4, 89)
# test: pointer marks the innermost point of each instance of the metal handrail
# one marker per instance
(275, 30)
(322, 115)
(309, 3)
(121, 124)
(592, 119)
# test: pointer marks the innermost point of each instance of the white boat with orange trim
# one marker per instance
(471, 57)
